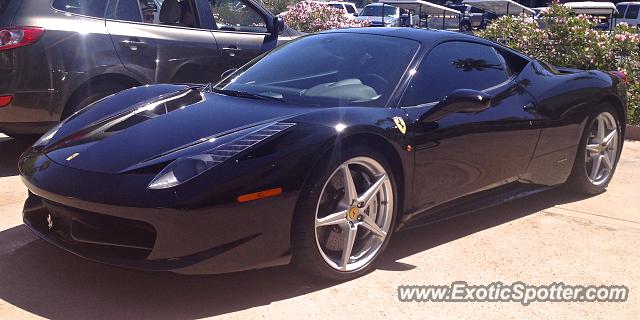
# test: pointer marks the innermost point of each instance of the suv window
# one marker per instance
(84, 7)
(476, 10)
(621, 9)
(166, 12)
(455, 65)
(236, 15)
(632, 12)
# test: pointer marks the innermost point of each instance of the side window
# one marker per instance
(236, 15)
(455, 65)
(632, 12)
(83, 7)
(621, 9)
(351, 8)
(165, 12)
(125, 10)
(476, 10)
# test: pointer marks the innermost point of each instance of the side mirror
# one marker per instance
(458, 101)
(228, 72)
(355, 14)
(277, 26)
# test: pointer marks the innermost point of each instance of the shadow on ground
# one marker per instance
(51, 283)
(10, 151)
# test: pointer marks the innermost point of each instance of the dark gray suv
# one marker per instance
(59, 56)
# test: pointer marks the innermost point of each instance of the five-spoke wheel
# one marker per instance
(354, 214)
(599, 152)
(602, 148)
(346, 215)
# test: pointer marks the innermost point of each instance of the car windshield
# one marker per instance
(334, 69)
(377, 11)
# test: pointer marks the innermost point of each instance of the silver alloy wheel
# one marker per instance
(354, 214)
(602, 148)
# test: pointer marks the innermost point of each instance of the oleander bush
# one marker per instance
(278, 6)
(568, 40)
(307, 16)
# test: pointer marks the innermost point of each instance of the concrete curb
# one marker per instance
(632, 132)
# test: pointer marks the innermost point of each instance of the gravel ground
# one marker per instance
(550, 237)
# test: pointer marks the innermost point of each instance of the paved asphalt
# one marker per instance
(551, 237)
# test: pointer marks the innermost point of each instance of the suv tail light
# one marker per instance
(5, 100)
(621, 75)
(14, 37)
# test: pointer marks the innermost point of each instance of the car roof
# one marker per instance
(628, 2)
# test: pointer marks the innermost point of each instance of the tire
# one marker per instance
(319, 250)
(89, 94)
(582, 179)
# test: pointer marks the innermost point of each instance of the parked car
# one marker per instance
(348, 7)
(56, 57)
(317, 152)
(381, 15)
(603, 12)
(472, 17)
(628, 13)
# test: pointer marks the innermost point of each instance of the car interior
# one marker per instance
(360, 70)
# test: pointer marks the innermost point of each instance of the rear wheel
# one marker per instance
(598, 152)
(345, 217)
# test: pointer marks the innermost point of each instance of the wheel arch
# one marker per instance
(376, 143)
(619, 107)
(120, 79)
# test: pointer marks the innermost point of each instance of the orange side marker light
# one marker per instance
(259, 195)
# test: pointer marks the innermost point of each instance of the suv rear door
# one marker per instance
(164, 41)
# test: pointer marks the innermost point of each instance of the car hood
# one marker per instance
(136, 136)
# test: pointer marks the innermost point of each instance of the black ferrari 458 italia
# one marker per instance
(316, 152)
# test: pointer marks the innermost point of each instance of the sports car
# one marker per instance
(317, 152)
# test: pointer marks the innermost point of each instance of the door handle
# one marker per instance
(133, 44)
(231, 50)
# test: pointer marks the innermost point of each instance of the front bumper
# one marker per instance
(214, 239)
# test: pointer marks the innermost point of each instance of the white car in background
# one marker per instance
(380, 15)
(628, 12)
(348, 7)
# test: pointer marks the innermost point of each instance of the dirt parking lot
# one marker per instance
(550, 237)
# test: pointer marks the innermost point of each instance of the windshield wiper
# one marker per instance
(245, 94)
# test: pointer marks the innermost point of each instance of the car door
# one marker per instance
(163, 41)
(241, 31)
(458, 154)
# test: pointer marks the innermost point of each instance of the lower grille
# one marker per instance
(90, 233)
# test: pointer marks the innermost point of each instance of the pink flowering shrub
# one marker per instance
(571, 41)
(311, 17)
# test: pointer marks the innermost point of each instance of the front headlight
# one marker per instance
(45, 138)
(186, 168)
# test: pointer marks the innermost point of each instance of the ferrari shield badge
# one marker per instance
(400, 124)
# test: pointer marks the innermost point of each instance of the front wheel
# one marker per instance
(598, 152)
(345, 216)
